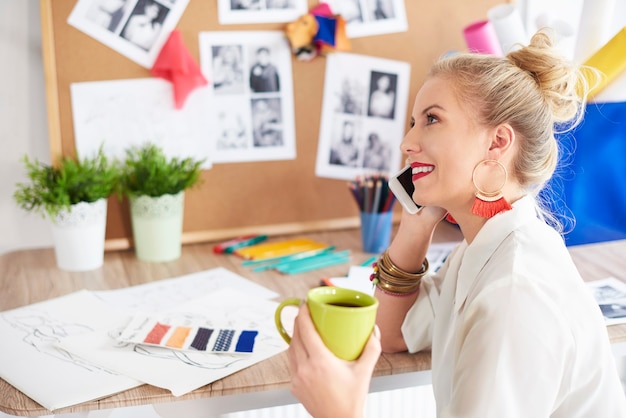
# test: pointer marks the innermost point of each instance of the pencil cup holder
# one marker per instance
(376, 231)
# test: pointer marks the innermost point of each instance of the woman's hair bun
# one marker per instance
(563, 85)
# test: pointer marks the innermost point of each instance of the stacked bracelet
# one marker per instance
(392, 280)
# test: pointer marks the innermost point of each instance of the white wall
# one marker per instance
(23, 123)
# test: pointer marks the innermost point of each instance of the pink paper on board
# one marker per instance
(177, 65)
(481, 38)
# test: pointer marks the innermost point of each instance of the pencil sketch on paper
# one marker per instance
(167, 368)
(31, 359)
(168, 294)
(42, 331)
(117, 114)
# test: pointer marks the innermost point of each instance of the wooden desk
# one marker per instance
(32, 276)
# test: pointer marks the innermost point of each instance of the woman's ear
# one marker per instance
(502, 141)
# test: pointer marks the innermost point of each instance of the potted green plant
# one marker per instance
(155, 185)
(73, 194)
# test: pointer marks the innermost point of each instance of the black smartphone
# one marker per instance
(402, 187)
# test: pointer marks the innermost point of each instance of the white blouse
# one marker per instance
(514, 331)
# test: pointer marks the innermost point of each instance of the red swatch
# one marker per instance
(156, 334)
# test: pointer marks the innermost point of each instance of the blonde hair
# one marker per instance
(534, 89)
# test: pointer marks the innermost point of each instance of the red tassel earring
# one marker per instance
(488, 204)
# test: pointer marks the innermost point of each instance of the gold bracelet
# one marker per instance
(399, 274)
(393, 280)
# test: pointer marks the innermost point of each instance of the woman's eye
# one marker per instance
(412, 122)
(430, 119)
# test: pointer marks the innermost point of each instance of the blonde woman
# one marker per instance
(513, 330)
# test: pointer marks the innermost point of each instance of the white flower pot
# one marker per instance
(157, 226)
(78, 235)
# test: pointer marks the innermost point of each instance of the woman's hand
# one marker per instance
(428, 217)
(326, 385)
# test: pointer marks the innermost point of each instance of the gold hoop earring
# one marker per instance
(489, 203)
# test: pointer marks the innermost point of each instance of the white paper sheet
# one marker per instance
(184, 371)
(358, 277)
(165, 295)
(31, 361)
(54, 378)
(119, 114)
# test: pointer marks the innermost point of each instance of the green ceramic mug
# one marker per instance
(344, 318)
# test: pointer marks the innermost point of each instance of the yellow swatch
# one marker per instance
(278, 249)
(177, 340)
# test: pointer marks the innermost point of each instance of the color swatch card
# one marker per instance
(147, 330)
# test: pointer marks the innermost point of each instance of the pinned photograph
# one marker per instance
(137, 29)
(371, 17)
(260, 11)
(610, 293)
(363, 116)
(252, 90)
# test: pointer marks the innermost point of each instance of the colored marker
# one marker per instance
(245, 243)
(316, 262)
(219, 248)
(268, 264)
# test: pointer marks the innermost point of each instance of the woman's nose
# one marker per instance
(410, 143)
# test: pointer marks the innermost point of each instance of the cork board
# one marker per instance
(255, 197)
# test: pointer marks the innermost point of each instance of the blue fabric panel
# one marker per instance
(590, 184)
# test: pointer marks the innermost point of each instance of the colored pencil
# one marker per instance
(371, 193)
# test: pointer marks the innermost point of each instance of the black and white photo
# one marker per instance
(363, 116)
(260, 11)
(610, 294)
(264, 75)
(107, 13)
(371, 17)
(266, 122)
(145, 23)
(228, 69)
(382, 97)
(344, 149)
(250, 83)
(137, 29)
(377, 153)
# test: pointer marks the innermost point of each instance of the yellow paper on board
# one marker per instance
(610, 60)
(279, 249)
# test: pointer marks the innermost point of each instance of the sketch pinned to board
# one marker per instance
(118, 114)
(363, 116)
(371, 17)
(252, 93)
(137, 29)
(260, 11)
